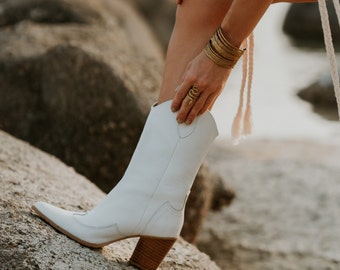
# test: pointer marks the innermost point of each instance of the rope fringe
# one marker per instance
(242, 124)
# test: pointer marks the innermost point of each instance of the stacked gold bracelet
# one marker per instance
(221, 51)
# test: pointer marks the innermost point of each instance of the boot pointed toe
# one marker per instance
(70, 223)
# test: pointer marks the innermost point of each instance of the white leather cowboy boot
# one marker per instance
(149, 200)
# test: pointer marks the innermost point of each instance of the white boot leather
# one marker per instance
(150, 198)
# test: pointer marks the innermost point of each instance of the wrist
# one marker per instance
(221, 51)
(234, 40)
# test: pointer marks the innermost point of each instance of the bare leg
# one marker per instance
(196, 21)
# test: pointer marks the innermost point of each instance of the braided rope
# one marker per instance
(242, 125)
(237, 127)
(329, 46)
(248, 112)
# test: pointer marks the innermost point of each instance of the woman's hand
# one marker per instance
(208, 78)
(179, 2)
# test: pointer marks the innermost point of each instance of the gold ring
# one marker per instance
(193, 94)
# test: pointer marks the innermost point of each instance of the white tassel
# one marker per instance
(242, 124)
(237, 127)
(247, 122)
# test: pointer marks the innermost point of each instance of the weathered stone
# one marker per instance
(303, 24)
(286, 214)
(160, 15)
(209, 193)
(80, 91)
(28, 175)
(43, 11)
(321, 95)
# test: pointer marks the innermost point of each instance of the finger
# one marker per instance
(191, 106)
(181, 92)
(196, 108)
(184, 110)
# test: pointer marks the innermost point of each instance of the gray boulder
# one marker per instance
(160, 15)
(286, 215)
(28, 175)
(303, 25)
(321, 95)
(80, 91)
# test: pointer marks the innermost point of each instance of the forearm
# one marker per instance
(242, 18)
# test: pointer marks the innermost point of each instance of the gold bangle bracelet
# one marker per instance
(221, 51)
(217, 58)
(227, 44)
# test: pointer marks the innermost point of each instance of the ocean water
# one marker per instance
(280, 71)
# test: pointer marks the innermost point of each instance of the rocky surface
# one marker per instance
(161, 17)
(286, 213)
(321, 95)
(78, 87)
(303, 24)
(208, 193)
(28, 175)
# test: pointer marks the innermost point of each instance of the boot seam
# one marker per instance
(166, 207)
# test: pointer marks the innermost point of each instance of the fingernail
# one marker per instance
(188, 122)
(173, 109)
(180, 121)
